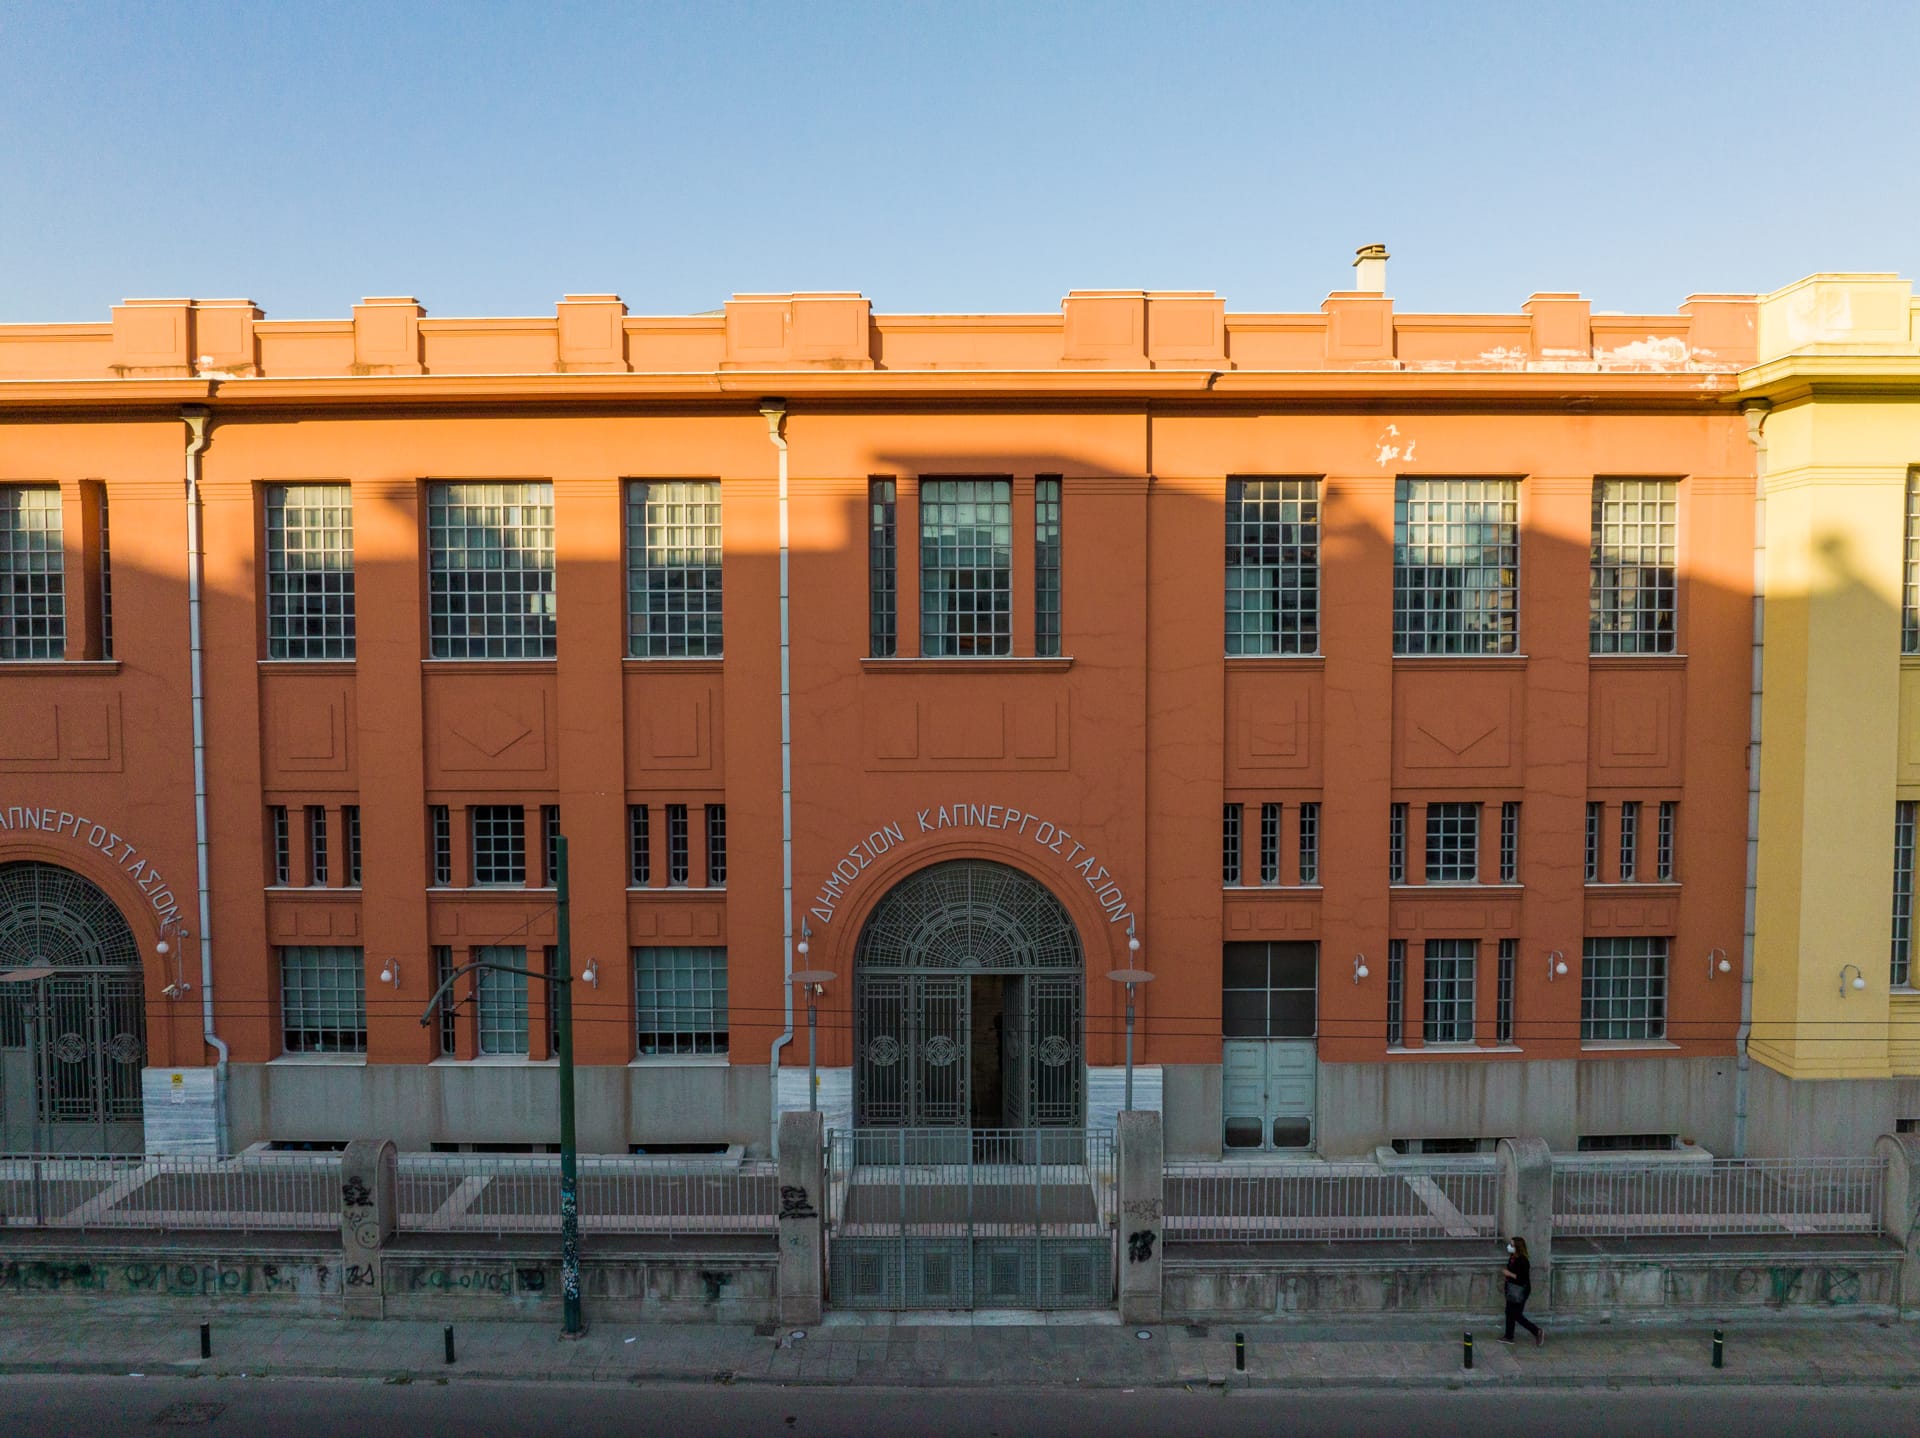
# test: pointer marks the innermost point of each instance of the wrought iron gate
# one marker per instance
(993, 1218)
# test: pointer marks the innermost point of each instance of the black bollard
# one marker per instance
(1466, 1350)
(206, 1340)
(1239, 1353)
(449, 1343)
(1719, 1349)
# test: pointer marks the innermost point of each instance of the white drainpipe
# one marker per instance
(1756, 413)
(775, 411)
(197, 418)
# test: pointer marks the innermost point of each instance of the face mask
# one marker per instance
(1510, 1248)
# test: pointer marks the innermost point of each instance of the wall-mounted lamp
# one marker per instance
(1718, 963)
(806, 939)
(1859, 979)
(591, 973)
(1133, 939)
(1556, 965)
(1360, 970)
(391, 973)
(179, 987)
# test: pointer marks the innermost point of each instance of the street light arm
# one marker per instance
(447, 983)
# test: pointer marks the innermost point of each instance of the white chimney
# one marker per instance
(1370, 269)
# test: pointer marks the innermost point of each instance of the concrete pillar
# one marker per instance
(803, 1200)
(1525, 1207)
(1900, 1207)
(1143, 1207)
(369, 1212)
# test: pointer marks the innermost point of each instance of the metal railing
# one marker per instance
(1718, 1197)
(253, 1193)
(955, 1182)
(487, 1193)
(1329, 1203)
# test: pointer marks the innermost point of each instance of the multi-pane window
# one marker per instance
(1046, 566)
(280, 839)
(106, 580)
(1230, 843)
(1449, 986)
(1593, 843)
(1663, 843)
(1396, 843)
(639, 847)
(440, 837)
(1273, 566)
(350, 821)
(449, 1015)
(1269, 843)
(490, 587)
(502, 1001)
(1453, 843)
(1270, 991)
(550, 844)
(499, 843)
(716, 844)
(1632, 593)
(1396, 990)
(1910, 589)
(680, 1000)
(323, 1000)
(1510, 843)
(678, 863)
(883, 568)
(673, 569)
(1503, 994)
(1310, 843)
(316, 844)
(966, 567)
(1629, 841)
(1456, 566)
(1903, 822)
(1623, 990)
(33, 600)
(309, 571)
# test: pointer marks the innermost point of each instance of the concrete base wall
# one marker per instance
(1190, 1097)
(1795, 1117)
(1627, 1287)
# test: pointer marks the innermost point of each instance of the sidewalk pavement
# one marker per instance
(976, 1350)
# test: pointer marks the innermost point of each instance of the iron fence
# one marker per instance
(1328, 1202)
(253, 1193)
(488, 1193)
(954, 1182)
(1718, 1197)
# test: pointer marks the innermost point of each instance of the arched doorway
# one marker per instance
(969, 996)
(72, 1043)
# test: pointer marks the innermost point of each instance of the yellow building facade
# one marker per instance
(1833, 404)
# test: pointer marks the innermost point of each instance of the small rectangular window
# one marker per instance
(883, 569)
(1046, 566)
(639, 847)
(1396, 843)
(1593, 843)
(449, 1015)
(1629, 841)
(323, 1000)
(316, 845)
(1396, 991)
(310, 592)
(1273, 566)
(490, 584)
(1632, 586)
(678, 856)
(499, 844)
(1663, 843)
(1510, 843)
(1623, 990)
(280, 841)
(966, 567)
(502, 1006)
(680, 1000)
(440, 834)
(1310, 843)
(1453, 843)
(1230, 843)
(1903, 846)
(350, 820)
(1503, 995)
(1449, 986)
(550, 844)
(717, 845)
(1269, 843)
(33, 599)
(1456, 566)
(673, 569)
(1270, 991)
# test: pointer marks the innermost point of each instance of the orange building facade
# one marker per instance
(1384, 677)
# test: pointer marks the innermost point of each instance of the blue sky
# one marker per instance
(945, 156)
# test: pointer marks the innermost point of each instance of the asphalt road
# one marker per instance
(302, 1408)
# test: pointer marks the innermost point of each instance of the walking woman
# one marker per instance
(1517, 1281)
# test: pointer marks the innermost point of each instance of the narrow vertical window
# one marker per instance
(966, 567)
(1396, 990)
(1273, 566)
(310, 571)
(883, 569)
(550, 965)
(1910, 589)
(440, 834)
(1503, 995)
(1456, 566)
(717, 845)
(1453, 843)
(33, 597)
(1230, 843)
(350, 821)
(1632, 592)
(106, 580)
(1903, 818)
(1310, 843)
(678, 862)
(499, 835)
(639, 847)
(1396, 843)
(1269, 843)
(1663, 843)
(490, 586)
(1629, 841)
(1449, 985)
(1510, 843)
(1593, 843)
(502, 1006)
(316, 845)
(449, 1016)
(1046, 566)
(550, 844)
(280, 838)
(673, 569)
